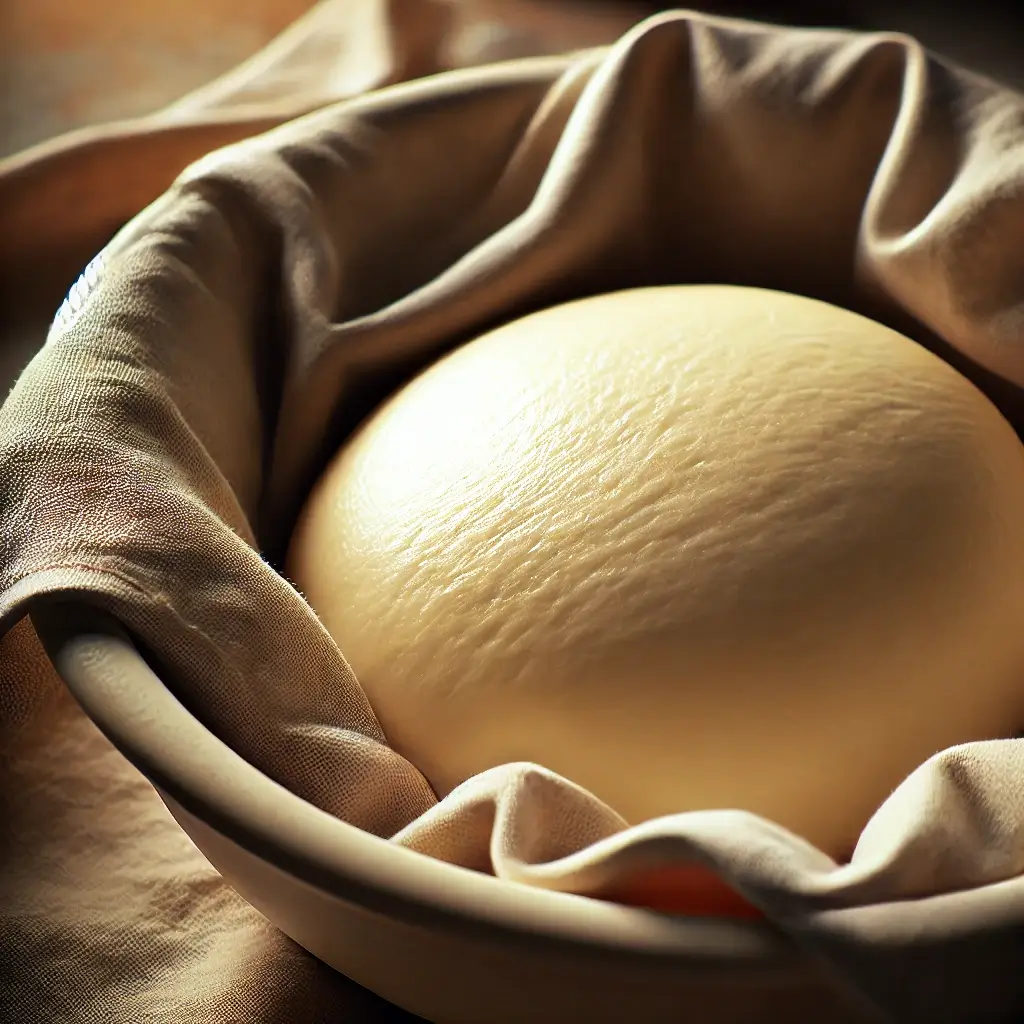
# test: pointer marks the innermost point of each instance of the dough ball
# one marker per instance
(690, 547)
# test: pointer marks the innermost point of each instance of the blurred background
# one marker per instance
(64, 65)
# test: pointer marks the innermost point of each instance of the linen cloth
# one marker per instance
(154, 454)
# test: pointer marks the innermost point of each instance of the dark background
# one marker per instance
(984, 35)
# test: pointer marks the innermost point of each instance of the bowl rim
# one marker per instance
(139, 714)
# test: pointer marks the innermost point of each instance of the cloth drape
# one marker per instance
(156, 449)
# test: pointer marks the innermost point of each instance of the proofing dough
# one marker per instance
(690, 547)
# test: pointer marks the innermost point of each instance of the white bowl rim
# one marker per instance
(109, 677)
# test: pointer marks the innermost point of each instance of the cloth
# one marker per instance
(154, 454)
(107, 910)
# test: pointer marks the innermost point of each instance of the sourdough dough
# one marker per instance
(691, 547)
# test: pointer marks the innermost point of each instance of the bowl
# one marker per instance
(443, 942)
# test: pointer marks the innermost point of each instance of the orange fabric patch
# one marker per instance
(683, 889)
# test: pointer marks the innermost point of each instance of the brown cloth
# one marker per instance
(155, 451)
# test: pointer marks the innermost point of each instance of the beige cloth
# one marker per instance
(214, 355)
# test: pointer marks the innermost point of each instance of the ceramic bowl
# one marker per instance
(442, 942)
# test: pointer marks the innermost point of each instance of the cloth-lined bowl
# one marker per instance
(155, 451)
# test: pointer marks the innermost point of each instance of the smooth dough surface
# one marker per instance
(690, 547)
